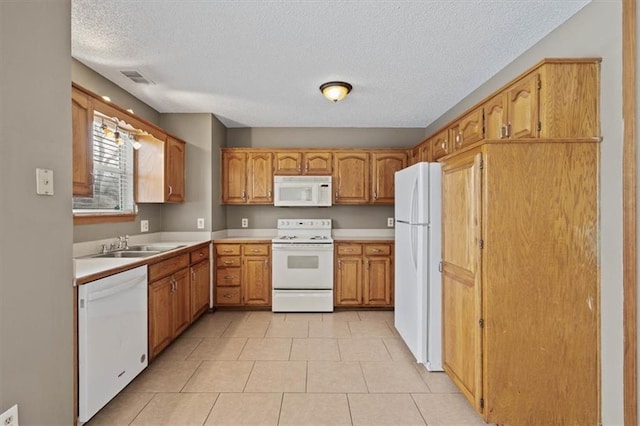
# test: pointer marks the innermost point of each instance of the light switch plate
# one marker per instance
(44, 183)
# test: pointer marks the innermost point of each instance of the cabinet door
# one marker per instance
(522, 108)
(256, 281)
(160, 315)
(348, 282)
(199, 288)
(288, 163)
(234, 180)
(383, 169)
(461, 285)
(317, 163)
(260, 178)
(378, 273)
(469, 130)
(82, 125)
(181, 302)
(351, 178)
(440, 145)
(495, 116)
(175, 159)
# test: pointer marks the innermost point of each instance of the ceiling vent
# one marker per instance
(136, 77)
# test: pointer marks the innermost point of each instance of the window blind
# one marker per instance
(112, 173)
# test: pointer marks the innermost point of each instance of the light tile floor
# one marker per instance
(261, 368)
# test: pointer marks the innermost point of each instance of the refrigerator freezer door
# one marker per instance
(411, 194)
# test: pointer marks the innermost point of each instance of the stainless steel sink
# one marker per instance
(153, 247)
(127, 253)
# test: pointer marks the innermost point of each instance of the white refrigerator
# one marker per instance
(418, 283)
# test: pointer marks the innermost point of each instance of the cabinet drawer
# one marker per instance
(228, 249)
(377, 250)
(228, 261)
(167, 267)
(255, 249)
(228, 276)
(349, 249)
(200, 254)
(227, 295)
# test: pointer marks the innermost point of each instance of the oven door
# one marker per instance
(302, 266)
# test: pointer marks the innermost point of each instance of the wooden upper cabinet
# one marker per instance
(288, 163)
(522, 108)
(317, 163)
(440, 145)
(234, 178)
(303, 163)
(468, 130)
(384, 165)
(82, 129)
(495, 117)
(351, 177)
(260, 178)
(174, 182)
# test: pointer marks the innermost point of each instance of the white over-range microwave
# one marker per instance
(302, 191)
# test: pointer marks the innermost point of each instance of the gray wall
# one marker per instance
(594, 31)
(218, 140)
(195, 130)
(321, 137)
(361, 217)
(93, 81)
(36, 325)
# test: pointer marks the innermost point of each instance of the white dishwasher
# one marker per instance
(112, 337)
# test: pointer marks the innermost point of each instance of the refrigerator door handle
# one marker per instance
(413, 205)
(414, 248)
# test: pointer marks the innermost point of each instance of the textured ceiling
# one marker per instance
(260, 63)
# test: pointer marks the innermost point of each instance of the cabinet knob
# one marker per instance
(458, 139)
(170, 190)
(244, 195)
(336, 195)
(375, 195)
(443, 145)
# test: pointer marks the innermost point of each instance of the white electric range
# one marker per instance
(302, 272)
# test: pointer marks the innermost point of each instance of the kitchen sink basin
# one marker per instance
(127, 253)
(153, 247)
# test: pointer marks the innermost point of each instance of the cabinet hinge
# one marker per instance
(481, 244)
(539, 126)
(481, 164)
(481, 402)
(539, 84)
(481, 322)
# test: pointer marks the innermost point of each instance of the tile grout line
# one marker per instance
(418, 408)
(141, 410)
(211, 409)
(191, 376)
(349, 407)
(253, 364)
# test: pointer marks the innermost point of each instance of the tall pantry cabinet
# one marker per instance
(520, 267)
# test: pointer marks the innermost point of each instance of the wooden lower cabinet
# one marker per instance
(178, 294)
(364, 274)
(200, 282)
(521, 280)
(243, 274)
(169, 302)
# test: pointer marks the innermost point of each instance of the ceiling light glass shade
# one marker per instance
(335, 90)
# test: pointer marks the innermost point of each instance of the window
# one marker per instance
(112, 172)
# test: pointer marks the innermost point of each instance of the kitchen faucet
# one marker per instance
(120, 243)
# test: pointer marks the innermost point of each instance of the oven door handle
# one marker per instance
(298, 247)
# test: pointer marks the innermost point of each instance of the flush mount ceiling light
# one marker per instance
(335, 90)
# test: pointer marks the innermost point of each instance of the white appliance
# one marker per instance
(112, 337)
(302, 266)
(418, 281)
(302, 191)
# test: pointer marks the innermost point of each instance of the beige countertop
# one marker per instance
(90, 268)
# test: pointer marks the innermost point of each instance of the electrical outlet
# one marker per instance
(201, 223)
(10, 417)
(144, 226)
(245, 222)
(390, 222)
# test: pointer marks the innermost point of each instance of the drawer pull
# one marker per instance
(255, 251)
(228, 251)
(228, 296)
(377, 250)
(228, 262)
(228, 277)
(349, 250)
(201, 254)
